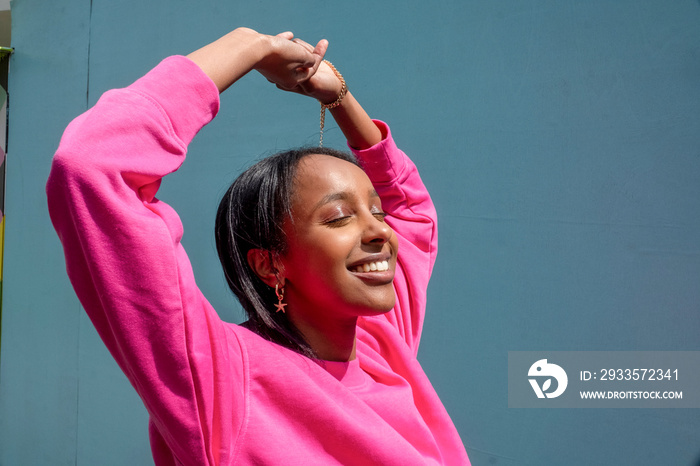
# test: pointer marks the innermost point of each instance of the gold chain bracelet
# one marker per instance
(343, 91)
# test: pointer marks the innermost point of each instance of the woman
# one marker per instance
(324, 372)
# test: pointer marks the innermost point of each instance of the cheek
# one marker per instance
(315, 258)
(330, 245)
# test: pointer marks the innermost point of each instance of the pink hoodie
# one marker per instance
(216, 392)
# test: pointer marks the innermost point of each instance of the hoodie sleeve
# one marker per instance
(413, 218)
(126, 263)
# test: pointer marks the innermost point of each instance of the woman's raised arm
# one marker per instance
(404, 197)
(278, 58)
(122, 245)
(325, 86)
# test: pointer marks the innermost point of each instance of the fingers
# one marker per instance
(313, 57)
(304, 44)
(321, 48)
(317, 52)
(292, 61)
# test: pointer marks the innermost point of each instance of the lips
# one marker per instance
(374, 270)
(376, 266)
(378, 262)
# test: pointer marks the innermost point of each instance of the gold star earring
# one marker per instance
(279, 291)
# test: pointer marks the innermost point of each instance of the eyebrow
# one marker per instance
(340, 196)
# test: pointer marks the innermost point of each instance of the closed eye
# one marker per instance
(337, 222)
(380, 216)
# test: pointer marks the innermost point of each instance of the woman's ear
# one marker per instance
(263, 264)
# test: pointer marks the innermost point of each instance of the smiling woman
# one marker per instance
(329, 255)
(329, 223)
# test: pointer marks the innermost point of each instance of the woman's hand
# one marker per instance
(323, 85)
(289, 63)
(278, 58)
(353, 121)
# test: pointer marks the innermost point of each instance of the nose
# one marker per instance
(376, 231)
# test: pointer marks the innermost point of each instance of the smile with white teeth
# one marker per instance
(379, 266)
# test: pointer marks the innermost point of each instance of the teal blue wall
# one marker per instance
(560, 141)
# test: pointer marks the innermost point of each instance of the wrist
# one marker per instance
(230, 57)
(333, 98)
(338, 100)
(254, 47)
(329, 97)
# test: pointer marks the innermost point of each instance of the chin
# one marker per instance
(379, 308)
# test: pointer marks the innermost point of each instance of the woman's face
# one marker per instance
(341, 255)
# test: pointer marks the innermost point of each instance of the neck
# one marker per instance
(331, 341)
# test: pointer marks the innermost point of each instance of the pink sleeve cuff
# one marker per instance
(380, 161)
